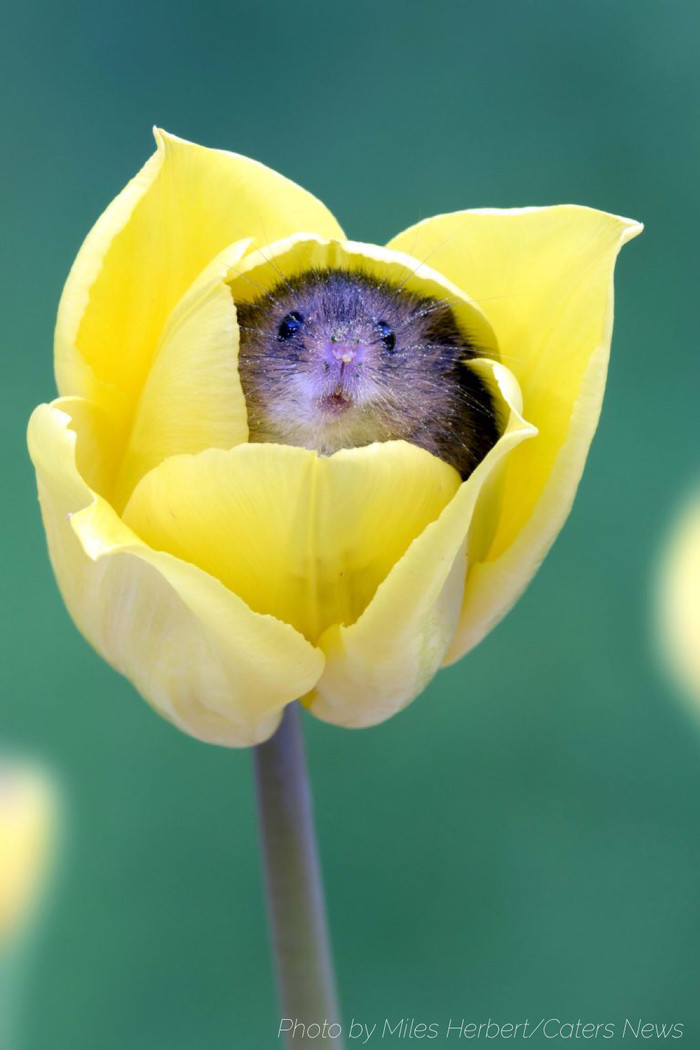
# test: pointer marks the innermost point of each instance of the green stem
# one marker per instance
(296, 909)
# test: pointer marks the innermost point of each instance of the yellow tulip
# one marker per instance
(225, 578)
(678, 593)
(27, 812)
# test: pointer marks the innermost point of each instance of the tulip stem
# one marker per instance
(296, 907)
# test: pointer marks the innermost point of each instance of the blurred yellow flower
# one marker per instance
(678, 593)
(27, 815)
(226, 579)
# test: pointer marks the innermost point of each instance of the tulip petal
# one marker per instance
(543, 277)
(306, 538)
(678, 599)
(28, 815)
(196, 652)
(172, 219)
(379, 664)
(192, 398)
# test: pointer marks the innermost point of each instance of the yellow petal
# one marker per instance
(184, 207)
(678, 594)
(192, 398)
(27, 815)
(303, 537)
(379, 664)
(195, 651)
(543, 277)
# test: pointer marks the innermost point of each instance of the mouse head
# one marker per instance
(345, 351)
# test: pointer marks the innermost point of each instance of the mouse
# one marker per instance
(333, 358)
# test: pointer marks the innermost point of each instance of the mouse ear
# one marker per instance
(543, 277)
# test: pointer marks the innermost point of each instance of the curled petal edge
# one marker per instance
(378, 665)
(184, 206)
(194, 650)
(547, 277)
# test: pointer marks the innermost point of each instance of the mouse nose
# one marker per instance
(343, 353)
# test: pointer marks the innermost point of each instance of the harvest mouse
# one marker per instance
(333, 359)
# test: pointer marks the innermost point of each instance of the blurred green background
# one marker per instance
(523, 841)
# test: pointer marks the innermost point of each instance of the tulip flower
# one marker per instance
(678, 604)
(227, 576)
(226, 579)
(27, 815)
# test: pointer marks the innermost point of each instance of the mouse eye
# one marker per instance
(386, 335)
(290, 326)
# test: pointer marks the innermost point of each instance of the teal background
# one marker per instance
(523, 841)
